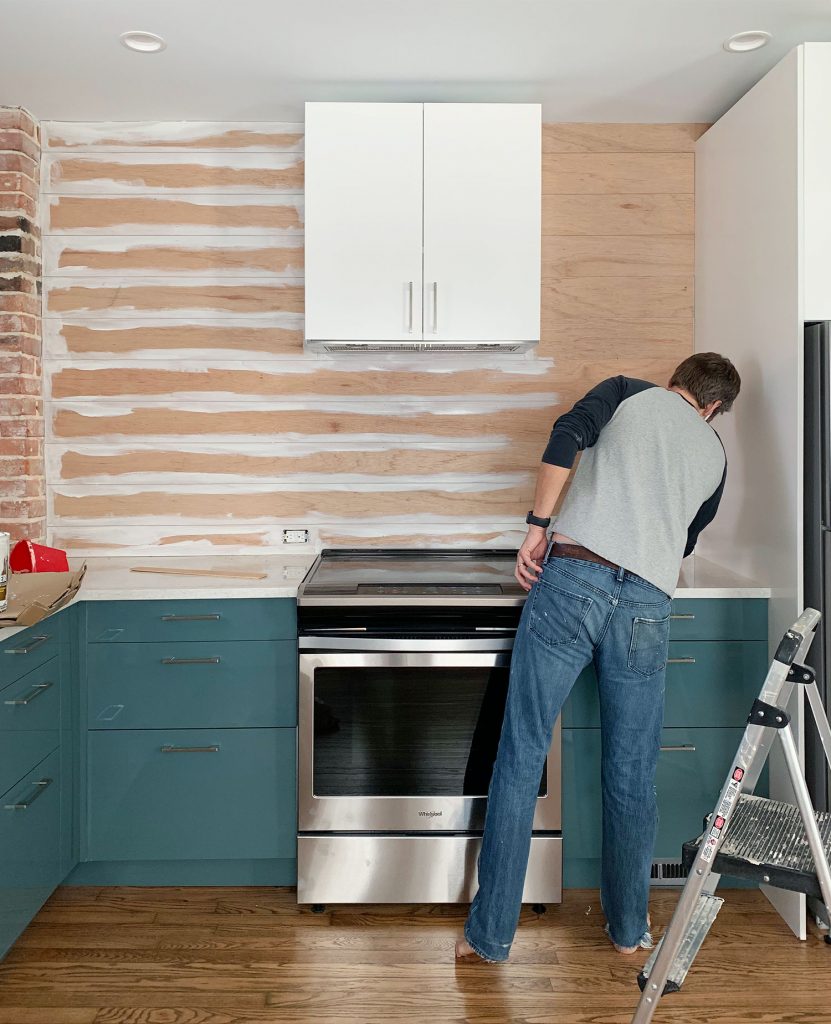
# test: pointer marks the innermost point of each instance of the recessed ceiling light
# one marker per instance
(744, 42)
(143, 42)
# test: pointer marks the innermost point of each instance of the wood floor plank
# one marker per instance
(252, 956)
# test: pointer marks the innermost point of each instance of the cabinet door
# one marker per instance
(363, 221)
(482, 221)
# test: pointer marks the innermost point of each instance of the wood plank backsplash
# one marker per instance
(182, 413)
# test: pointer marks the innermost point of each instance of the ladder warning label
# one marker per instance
(731, 795)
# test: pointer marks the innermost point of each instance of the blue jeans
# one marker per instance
(578, 612)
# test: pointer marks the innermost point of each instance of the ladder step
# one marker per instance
(706, 911)
(766, 843)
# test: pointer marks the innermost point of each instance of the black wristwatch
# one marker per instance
(533, 520)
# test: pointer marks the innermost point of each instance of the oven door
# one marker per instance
(405, 742)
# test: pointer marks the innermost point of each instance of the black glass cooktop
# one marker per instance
(407, 573)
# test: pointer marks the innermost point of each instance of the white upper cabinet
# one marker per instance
(816, 101)
(363, 221)
(482, 221)
(423, 223)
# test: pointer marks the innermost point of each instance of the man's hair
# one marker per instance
(708, 377)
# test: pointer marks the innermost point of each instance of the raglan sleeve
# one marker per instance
(705, 515)
(580, 427)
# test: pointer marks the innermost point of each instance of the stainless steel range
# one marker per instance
(404, 659)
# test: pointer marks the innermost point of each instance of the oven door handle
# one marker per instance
(487, 642)
(310, 661)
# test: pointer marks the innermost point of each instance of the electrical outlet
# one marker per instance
(295, 536)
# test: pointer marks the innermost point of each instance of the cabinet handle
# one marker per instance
(36, 691)
(190, 661)
(680, 661)
(191, 618)
(681, 748)
(435, 307)
(167, 749)
(40, 788)
(37, 641)
(687, 618)
(410, 317)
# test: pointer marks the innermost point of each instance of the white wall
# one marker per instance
(749, 307)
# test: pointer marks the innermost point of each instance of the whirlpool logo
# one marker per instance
(430, 814)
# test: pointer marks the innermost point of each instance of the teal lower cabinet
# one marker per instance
(692, 767)
(189, 767)
(217, 794)
(31, 862)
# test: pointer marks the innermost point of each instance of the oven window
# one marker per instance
(407, 731)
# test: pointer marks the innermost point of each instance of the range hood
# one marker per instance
(421, 345)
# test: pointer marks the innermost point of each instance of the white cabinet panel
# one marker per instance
(817, 179)
(482, 221)
(363, 221)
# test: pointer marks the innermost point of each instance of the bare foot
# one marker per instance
(464, 951)
(645, 943)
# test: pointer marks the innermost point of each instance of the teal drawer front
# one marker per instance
(27, 650)
(218, 794)
(29, 847)
(192, 685)
(149, 621)
(692, 768)
(723, 618)
(30, 721)
(708, 684)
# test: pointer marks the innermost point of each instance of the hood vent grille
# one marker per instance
(417, 346)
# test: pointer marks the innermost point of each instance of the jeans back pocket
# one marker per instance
(557, 616)
(649, 646)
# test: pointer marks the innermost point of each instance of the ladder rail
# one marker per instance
(747, 767)
(820, 718)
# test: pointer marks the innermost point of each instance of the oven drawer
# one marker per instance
(192, 685)
(412, 869)
(174, 620)
(191, 794)
(30, 719)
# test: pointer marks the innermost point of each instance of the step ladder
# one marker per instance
(774, 843)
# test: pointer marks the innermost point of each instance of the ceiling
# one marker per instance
(585, 60)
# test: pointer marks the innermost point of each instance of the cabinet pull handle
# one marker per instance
(191, 618)
(686, 618)
(681, 748)
(168, 749)
(190, 661)
(35, 692)
(37, 641)
(435, 307)
(40, 788)
(410, 317)
(680, 661)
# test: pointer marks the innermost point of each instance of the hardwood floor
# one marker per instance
(248, 956)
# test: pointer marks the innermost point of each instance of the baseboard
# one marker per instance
(185, 872)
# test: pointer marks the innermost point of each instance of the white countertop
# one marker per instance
(110, 579)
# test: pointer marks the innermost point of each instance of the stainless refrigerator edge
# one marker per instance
(817, 523)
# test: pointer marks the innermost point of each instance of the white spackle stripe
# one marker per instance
(72, 136)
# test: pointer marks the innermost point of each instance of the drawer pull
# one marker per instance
(680, 661)
(40, 788)
(37, 690)
(37, 641)
(190, 661)
(167, 749)
(685, 618)
(681, 748)
(191, 618)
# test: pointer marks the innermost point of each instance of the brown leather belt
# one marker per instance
(578, 551)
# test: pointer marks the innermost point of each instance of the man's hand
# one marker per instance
(529, 557)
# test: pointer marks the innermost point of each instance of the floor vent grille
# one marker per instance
(668, 872)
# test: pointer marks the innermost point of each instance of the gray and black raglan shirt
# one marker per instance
(649, 480)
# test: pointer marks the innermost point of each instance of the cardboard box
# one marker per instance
(34, 595)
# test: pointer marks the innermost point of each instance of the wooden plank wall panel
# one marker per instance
(182, 413)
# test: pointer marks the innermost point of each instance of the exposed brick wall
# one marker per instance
(22, 490)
